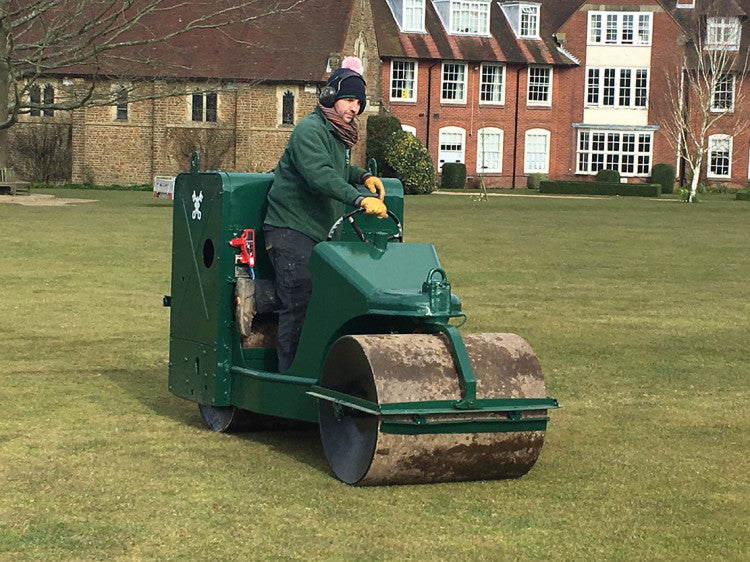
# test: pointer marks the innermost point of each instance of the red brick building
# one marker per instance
(558, 87)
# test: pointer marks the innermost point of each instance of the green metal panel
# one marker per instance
(207, 363)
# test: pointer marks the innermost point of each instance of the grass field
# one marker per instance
(639, 311)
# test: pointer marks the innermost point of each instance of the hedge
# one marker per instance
(453, 175)
(743, 196)
(597, 188)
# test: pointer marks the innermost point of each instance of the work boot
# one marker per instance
(244, 292)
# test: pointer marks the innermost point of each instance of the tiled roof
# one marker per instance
(286, 47)
(437, 44)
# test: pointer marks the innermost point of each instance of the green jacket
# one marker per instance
(313, 181)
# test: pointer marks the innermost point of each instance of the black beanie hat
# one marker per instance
(349, 84)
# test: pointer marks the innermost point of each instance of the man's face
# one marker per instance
(347, 108)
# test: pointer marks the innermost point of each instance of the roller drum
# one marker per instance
(417, 368)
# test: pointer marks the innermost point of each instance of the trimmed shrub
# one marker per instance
(663, 174)
(411, 163)
(608, 176)
(743, 194)
(533, 180)
(453, 175)
(596, 188)
(379, 131)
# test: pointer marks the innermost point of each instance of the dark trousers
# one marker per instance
(289, 251)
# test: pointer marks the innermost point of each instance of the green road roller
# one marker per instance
(398, 394)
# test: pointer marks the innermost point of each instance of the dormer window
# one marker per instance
(523, 18)
(413, 15)
(529, 22)
(472, 18)
(723, 33)
(409, 14)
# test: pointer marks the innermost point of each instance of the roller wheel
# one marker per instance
(420, 367)
(228, 419)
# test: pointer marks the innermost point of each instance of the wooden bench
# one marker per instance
(9, 184)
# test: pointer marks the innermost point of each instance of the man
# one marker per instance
(312, 187)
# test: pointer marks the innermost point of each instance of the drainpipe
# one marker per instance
(515, 126)
(429, 104)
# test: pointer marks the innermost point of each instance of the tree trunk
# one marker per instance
(5, 43)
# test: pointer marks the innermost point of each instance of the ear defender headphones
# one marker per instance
(328, 94)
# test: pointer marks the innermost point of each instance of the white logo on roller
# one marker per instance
(197, 205)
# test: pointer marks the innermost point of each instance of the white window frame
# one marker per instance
(532, 21)
(408, 81)
(462, 12)
(625, 83)
(409, 129)
(457, 85)
(453, 131)
(723, 33)
(539, 103)
(495, 89)
(610, 28)
(481, 146)
(712, 142)
(527, 161)
(717, 108)
(413, 16)
(598, 149)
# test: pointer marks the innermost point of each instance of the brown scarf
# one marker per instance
(348, 133)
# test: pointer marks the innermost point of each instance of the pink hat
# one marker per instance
(353, 63)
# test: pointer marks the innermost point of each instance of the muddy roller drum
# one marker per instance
(415, 429)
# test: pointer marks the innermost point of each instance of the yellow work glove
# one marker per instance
(374, 184)
(374, 206)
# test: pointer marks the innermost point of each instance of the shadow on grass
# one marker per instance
(297, 440)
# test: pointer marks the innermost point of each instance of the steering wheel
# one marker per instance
(361, 235)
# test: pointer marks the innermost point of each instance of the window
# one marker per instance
(451, 145)
(492, 85)
(413, 16)
(529, 22)
(49, 99)
(121, 109)
(35, 98)
(453, 87)
(723, 99)
(719, 156)
(287, 108)
(403, 80)
(470, 17)
(540, 86)
(723, 33)
(619, 28)
(685, 4)
(409, 129)
(490, 151)
(204, 107)
(627, 152)
(536, 152)
(617, 87)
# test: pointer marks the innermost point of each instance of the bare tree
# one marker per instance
(98, 38)
(706, 92)
(213, 144)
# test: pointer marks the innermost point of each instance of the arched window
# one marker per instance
(122, 104)
(35, 98)
(49, 99)
(287, 108)
(719, 156)
(452, 144)
(536, 152)
(490, 151)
